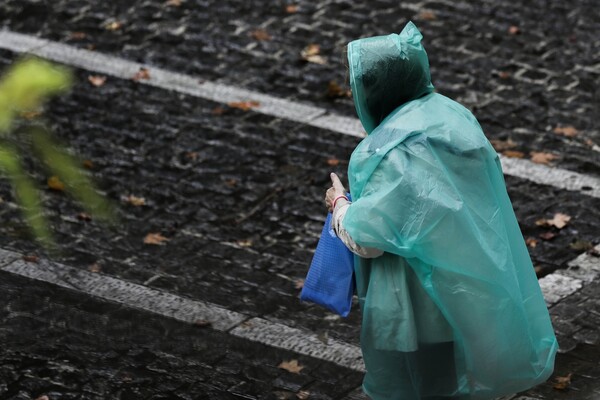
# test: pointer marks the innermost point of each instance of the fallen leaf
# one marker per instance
(332, 162)
(155, 238)
(202, 323)
(581, 245)
(531, 242)
(562, 382)
(311, 53)
(44, 397)
(95, 267)
(143, 73)
(559, 221)
(55, 183)
(134, 200)
(218, 111)
(502, 145)
(173, 3)
(335, 91)
(97, 80)
(503, 74)
(291, 366)
(540, 157)
(244, 105)
(84, 216)
(513, 154)
(303, 394)
(291, 9)
(427, 15)
(514, 30)
(260, 34)
(87, 164)
(192, 155)
(548, 235)
(30, 114)
(299, 283)
(568, 131)
(231, 182)
(245, 243)
(91, 46)
(77, 35)
(114, 26)
(33, 259)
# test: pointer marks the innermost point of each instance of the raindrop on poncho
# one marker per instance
(453, 307)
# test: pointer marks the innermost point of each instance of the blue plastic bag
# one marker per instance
(330, 279)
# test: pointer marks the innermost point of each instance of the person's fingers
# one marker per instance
(337, 184)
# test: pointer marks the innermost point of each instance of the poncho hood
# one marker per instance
(386, 72)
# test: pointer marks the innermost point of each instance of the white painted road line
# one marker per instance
(269, 105)
(183, 309)
(562, 283)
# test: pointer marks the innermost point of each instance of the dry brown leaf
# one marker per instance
(513, 154)
(291, 9)
(299, 283)
(581, 245)
(291, 366)
(548, 235)
(192, 155)
(245, 243)
(55, 183)
(427, 15)
(87, 164)
(84, 216)
(173, 3)
(231, 182)
(97, 80)
(568, 131)
(134, 200)
(218, 111)
(202, 323)
(244, 105)
(312, 53)
(562, 382)
(502, 145)
(260, 34)
(531, 242)
(514, 30)
(77, 35)
(559, 221)
(155, 238)
(540, 157)
(95, 267)
(335, 91)
(44, 397)
(114, 26)
(32, 258)
(30, 114)
(332, 162)
(143, 73)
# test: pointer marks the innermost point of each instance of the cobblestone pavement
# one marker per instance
(239, 194)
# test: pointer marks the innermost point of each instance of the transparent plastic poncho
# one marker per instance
(453, 307)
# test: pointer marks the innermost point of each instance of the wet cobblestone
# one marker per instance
(56, 345)
(520, 85)
(246, 165)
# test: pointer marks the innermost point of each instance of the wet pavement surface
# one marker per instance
(239, 194)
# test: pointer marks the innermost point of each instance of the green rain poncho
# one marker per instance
(453, 307)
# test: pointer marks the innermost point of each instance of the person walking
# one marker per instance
(451, 307)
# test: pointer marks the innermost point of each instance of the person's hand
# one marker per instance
(336, 189)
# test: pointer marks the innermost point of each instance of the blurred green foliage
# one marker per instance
(24, 89)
